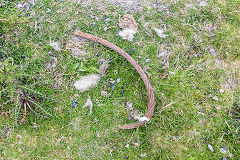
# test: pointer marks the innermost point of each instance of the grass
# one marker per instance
(186, 119)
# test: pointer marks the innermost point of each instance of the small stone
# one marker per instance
(107, 20)
(127, 146)
(105, 28)
(27, 7)
(224, 158)
(203, 4)
(210, 147)
(215, 98)
(129, 105)
(104, 93)
(221, 90)
(223, 150)
(19, 5)
(159, 32)
(118, 80)
(130, 116)
(76, 95)
(19, 136)
(143, 155)
(213, 52)
(209, 96)
(148, 60)
(136, 144)
(55, 46)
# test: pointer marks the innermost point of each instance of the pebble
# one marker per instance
(118, 80)
(203, 4)
(107, 20)
(27, 7)
(209, 96)
(215, 98)
(210, 147)
(148, 60)
(221, 90)
(213, 52)
(223, 150)
(224, 158)
(104, 93)
(19, 5)
(130, 115)
(129, 105)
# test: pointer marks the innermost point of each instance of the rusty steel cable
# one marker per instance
(151, 97)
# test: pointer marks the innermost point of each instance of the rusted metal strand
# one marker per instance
(151, 97)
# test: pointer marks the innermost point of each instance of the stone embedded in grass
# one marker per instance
(52, 64)
(55, 46)
(223, 150)
(130, 116)
(221, 90)
(118, 80)
(163, 54)
(148, 60)
(213, 52)
(87, 82)
(19, 5)
(215, 98)
(159, 32)
(142, 155)
(129, 105)
(104, 93)
(203, 3)
(210, 147)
